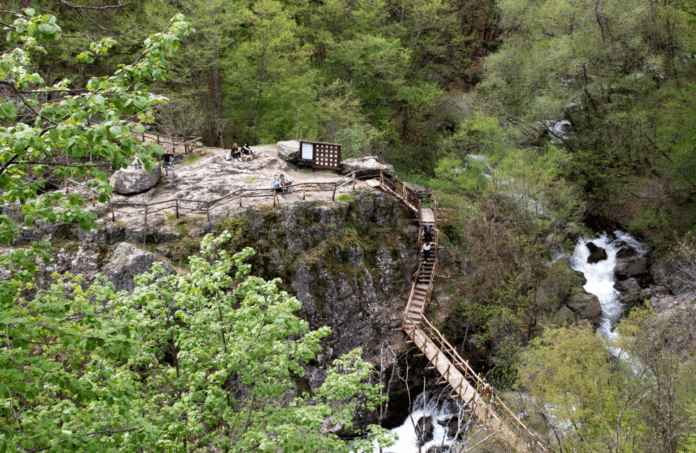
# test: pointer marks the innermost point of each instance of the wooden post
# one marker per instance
(403, 190)
(274, 198)
(94, 199)
(177, 207)
(304, 191)
(381, 176)
(354, 180)
(66, 186)
(333, 195)
(240, 198)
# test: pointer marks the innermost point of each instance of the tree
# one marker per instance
(55, 132)
(200, 361)
(595, 65)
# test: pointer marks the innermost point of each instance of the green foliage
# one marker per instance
(451, 174)
(188, 361)
(481, 135)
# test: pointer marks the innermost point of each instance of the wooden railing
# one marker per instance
(181, 206)
(466, 384)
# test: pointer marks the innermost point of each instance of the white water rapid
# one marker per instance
(600, 275)
(441, 414)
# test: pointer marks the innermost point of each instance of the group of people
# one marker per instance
(242, 153)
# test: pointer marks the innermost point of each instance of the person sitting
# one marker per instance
(236, 153)
(279, 184)
(247, 153)
(167, 163)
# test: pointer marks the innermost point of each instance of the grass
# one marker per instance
(251, 178)
(195, 157)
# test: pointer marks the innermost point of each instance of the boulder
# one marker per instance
(365, 166)
(586, 305)
(289, 150)
(131, 181)
(662, 272)
(128, 261)
(631, 267)
(630, 285)
(597, 254)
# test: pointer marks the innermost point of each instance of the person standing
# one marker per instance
(167, 163)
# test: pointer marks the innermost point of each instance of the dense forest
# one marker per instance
(535, 120)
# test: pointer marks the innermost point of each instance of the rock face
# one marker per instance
(128, 261)
(289, 150)
(131, 181)
(365, 166)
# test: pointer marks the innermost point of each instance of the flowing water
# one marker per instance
(427, 411)
(600, 275)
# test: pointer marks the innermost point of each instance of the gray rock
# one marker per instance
(631, 267)
(27, 235)
(289, 150)
(85, 263)
(128, 261)
(355, 256)
(165, 234)
(365, 166)
(628, 286)
(586, 305)
(131, 181)
(662, 272)
(97, 235)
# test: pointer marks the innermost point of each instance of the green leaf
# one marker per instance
(8, 111)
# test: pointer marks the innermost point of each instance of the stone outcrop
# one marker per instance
(128, 261)
(132, 181)
(365, 166)
(288, 150)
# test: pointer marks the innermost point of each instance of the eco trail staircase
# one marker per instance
(477, 396)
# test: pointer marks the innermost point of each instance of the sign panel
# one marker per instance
(308, 151)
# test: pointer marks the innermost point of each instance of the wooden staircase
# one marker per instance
(477, 396)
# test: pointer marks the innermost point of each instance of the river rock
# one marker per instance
(132, 181)
(424, 430)
(289, 150)
(629, 285)
(128, 261)
(365, 166)
(597, 254)
(586, 305)
(625, 251)
(630, 267)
